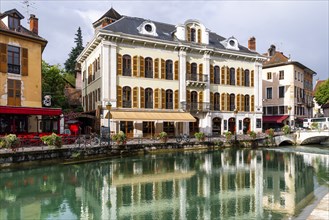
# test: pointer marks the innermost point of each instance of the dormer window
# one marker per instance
(13, 23)
(147, 28)
(230, 43)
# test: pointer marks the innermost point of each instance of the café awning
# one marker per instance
(151, 116)
(30, 111)
(274, 119)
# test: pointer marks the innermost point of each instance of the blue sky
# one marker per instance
(297, 28)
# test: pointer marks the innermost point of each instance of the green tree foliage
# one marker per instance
(322, 93)
(75, 51)
(53, 84)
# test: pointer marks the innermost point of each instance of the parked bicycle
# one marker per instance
(183, 137)
(91, 140)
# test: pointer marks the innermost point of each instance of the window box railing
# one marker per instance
(148, 104)
(197, 77)
(126, 104)
(148, 74)
(13, 68)
(126, 72)
(196, 106)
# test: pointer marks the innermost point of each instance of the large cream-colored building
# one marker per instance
(179, 78)
(287, 91)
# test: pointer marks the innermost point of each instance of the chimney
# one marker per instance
(34, 24)
(271, 50)
(252, 43)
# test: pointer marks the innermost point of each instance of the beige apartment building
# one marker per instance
(180, 78)
(287, 91)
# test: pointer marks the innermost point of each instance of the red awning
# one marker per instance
(30, 111)
(274, 119)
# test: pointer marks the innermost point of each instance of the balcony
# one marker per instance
(12, 68)
(196, 80)
(126, 104)
(196, 106)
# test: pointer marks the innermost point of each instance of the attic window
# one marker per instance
(13, 23)
(232, 43)
(148, 28)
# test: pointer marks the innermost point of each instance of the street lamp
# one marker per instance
(108, 107)
(236, 121)
(289, 109)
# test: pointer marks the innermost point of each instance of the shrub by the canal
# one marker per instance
(10, 141)
(120, 138)
(52, 140)
(163, 136)
(252, 134)
(286, 129)
(200, 136)
(228, 136)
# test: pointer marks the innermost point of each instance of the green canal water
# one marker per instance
(223, 184)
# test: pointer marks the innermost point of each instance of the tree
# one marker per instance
(75, 52)
(53, 84)
(322, 93)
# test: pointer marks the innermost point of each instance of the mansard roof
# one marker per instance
(129, 25)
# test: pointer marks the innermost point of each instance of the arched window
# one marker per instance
(216, 75)
(246, 77)
(126, 65)
(246, 103)
(216, 101)
(232, 102)
(126, 97)
(194, 71)
(232, 76)
(169, 70)
(148, 98)
(193, 35)
(148, 67)
(194, 100)
(169, 99)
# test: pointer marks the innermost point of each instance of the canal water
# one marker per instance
(222, 184)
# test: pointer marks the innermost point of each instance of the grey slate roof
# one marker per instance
(129, 25)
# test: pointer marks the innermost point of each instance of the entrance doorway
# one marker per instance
(194, 126)
(216, 126)
(148, 128)
(246, 125)
(231, 125)
(169, 128)
(128, 128)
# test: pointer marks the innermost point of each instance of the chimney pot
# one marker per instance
(252, 43)
(34, 24)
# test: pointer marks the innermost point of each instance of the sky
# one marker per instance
(299, 29)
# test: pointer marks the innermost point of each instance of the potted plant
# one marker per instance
(228, 136)
(286, 129)
(11, 141)
(200, 136)
(120, 138)
(252, 134)
(163, 136)
(52, 140)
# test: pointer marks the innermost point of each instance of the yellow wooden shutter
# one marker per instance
(242, 78)
(223, 101)
(238, 102)
(212, 101)
(135, 97)
(135, 66)
(176, 70)
(188, 96)
(212, 77)
(252, 78)
(201, 72)
(163, 67)
(188, 68)
(238, 76)
(141, 66)
(252, 103)
(176, 99)
(156, 68)
(3, 58)
(242, 103)
(188, 33)
(119, 97)
(163, 98)
(201, 100)
(223, 75)
(228, 102)
(25, 64)
(199, 36)
(156, 98)
(142, 97)
(119, 64)
(227, 76)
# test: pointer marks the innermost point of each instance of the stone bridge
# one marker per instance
(304, 137)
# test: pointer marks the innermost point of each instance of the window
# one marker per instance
(193, 35)
(269, 75)
(275, 110)
(126, 65)
(225, 125)
(169, 70)
(216, 75)
(295, 74)
(246, 78)
(281, 92)
(281, 110)
(14, 92)
(148, 67)
(270, 110)
(281, 74)
(232, 76)
(269, 93)
(258, 123)
(13, 59)
(126, 97)
(13, 23)
(194, 70)
(232, 102)
(298, 76)
(148, 98)
(246, 103)
(148, 28)
(169, 99)
(216, 101)
(194, 100)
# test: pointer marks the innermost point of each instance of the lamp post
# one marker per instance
(108, 107)
(236, 127)
(289, 109)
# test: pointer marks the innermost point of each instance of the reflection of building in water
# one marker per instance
(289, 183)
